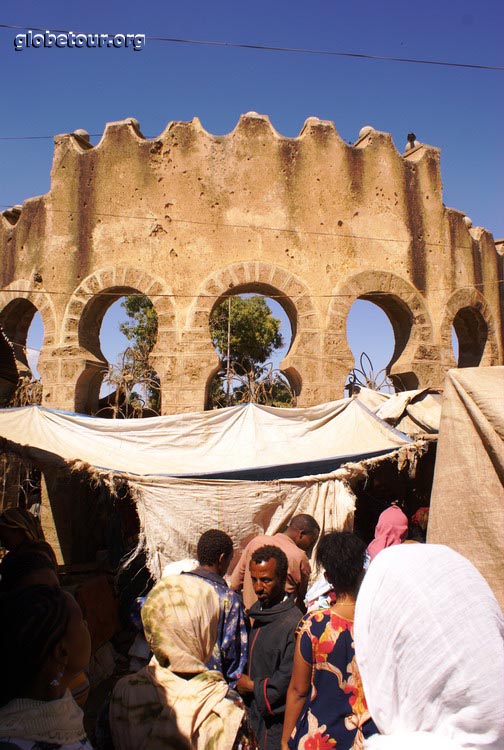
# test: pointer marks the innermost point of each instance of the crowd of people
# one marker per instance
(399, 648)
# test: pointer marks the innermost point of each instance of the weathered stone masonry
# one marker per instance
(189, 217)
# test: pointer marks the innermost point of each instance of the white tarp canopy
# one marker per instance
(206, 443)
(176, 466)
(467, 502)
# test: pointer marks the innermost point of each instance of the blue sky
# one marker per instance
(461, 111)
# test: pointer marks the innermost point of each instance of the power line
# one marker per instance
(331, 53)
(290, 50)
(258, 227)
(37, 137)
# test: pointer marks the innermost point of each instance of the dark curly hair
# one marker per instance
(341, 555)
(211, 545)
(270, 552)
(32, 621)
(306, 523)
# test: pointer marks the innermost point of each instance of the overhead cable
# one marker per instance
(291, 50)
(250, 227)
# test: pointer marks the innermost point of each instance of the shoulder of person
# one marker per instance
(292, 618)
(254, 543)
(260, 540)
(235, 597)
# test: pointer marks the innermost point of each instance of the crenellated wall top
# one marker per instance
(314, 163)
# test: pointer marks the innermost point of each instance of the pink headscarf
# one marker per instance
(391, 529)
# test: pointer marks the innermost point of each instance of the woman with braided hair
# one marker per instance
(45, 643)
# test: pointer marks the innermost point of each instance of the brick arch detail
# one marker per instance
(238, 275)
(266, 278)
(413, 330)
(472, 298)
(39, 298)
(120, 277)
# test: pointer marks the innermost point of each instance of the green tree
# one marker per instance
(143, 324)
(254, 332)
(245, 334)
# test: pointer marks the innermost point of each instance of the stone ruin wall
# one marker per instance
(189, 217)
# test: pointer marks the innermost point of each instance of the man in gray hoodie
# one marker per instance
(271, 646)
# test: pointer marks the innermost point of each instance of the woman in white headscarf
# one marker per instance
(429, 642)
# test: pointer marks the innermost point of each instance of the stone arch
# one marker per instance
(469, 313)
(200, 361)
(80, 343)
(19, 302)
(414, 353)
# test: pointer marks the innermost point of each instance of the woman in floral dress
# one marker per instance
(326, 708)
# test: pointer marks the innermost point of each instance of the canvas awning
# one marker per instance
(245, 469)
(224, 441)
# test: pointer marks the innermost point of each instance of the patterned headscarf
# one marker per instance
(391, 529)
(180, 618)
(429, 642)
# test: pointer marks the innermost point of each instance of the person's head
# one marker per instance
(418, 525)
(392, 528)
(268, 571)
(18, 526)
(28, 566)
(180, 619)
(215, 550)
(341, 555)
(421, 518)
(304, 531)
(429, 637)
(45, 642)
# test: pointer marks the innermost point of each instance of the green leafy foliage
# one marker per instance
(254, 332)
(143, 324)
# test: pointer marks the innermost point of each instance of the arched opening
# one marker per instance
(120, 329)
(370, 335)
(471, 332)
(252, 333)
(24, 331)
